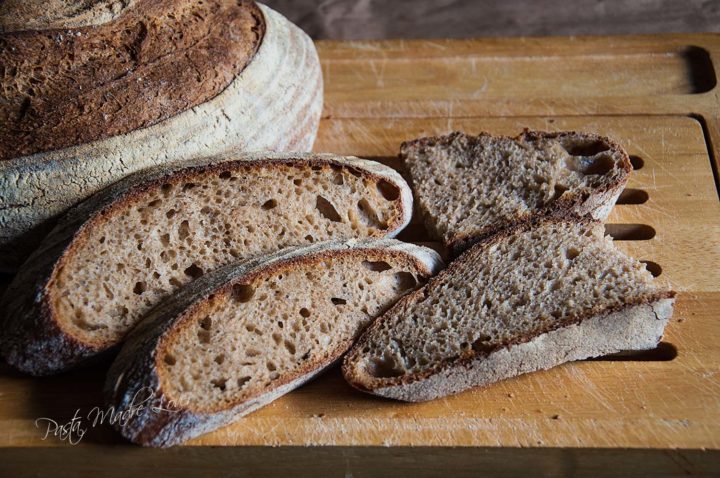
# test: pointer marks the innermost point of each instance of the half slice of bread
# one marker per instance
(242, 336)
(114, 257)
(529, 298)
(468, 187)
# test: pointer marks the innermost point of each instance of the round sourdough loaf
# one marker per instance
(96, 90)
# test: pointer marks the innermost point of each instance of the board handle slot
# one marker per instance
(630, 232)
(653, 267)
(633, 196)
(637, 162)
(664, 352)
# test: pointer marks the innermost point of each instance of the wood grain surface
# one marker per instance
(656, 96)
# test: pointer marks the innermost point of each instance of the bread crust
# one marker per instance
(597, 205)
(136, 367)
(411, 388)
(34, 340)
(273, 104)
(66, 91)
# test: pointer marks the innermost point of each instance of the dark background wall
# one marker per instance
(366, 19)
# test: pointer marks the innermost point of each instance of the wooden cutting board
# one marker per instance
(656, 412)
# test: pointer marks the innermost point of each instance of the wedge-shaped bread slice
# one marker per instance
(240, 337)
(114, 257)
(530, 298)
(468, 187)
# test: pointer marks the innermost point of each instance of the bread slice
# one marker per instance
(529, 298)
(120, 253)
(242, 336)
(184, 79)
(468, 187)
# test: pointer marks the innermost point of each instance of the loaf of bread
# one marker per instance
(467, 187)
(93, 91)
(119, 253)
(529, 298)
(240, 337)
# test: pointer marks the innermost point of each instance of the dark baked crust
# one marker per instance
(569, 203)
(466, 360)
(33, 340)
(158, 58)
(136, 368)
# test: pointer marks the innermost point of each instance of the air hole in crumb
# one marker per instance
(203, 336)
(102, 240)
(481, 344)
(377, 266)
(586, 149)
(354, 172)
(188, 186)
(571, 253)
(206, 323)
(271, 366)
(595, 165)
(404, 281)
(225, 175)
(193, 271)
(184, 230)
(170, 360)
(309, 238)
(337, 301)
(242, 381)
(220, 359)
(290, 347)
(305, 312)
(384, 368)
(139, 287)
(297, 182)
(155, 203)
(327, 210)
(165, 240)
(559, 191)
(338, 179)
(269, 204)
(389, 191)
(653, 267)
(170, 213)
(242, 292)
(252, 352)
(219, 383)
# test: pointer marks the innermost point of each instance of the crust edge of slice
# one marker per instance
(597, 205)
(134, 370)
(445, 378)
(636, 327)
(34, 340)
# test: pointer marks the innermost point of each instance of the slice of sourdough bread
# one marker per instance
(468, 187)
(117, 255)
(245, 334)
(529, 298)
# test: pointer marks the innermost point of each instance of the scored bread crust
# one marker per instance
(19, 15)
(33, 338)
(135, 368)
(273, 104)
(598, 204)
(595, 332)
